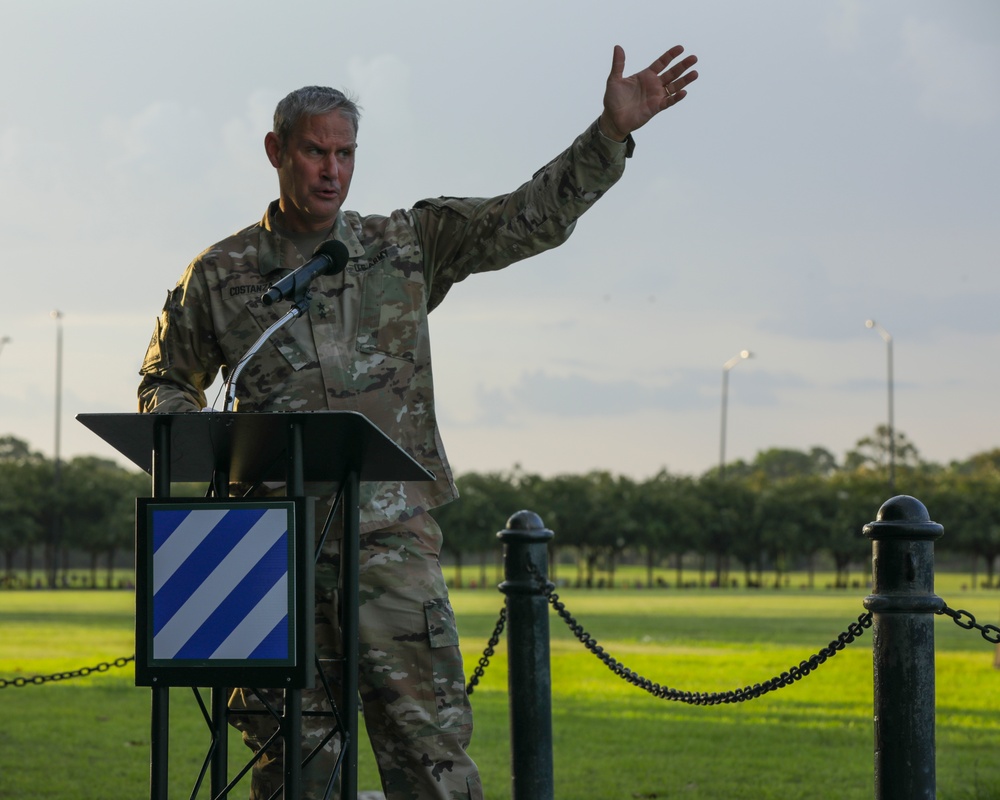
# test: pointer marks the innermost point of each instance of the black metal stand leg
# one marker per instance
(350, 625)
(220, 699)
(159, 735)
(220, 753)
(293, 744)
(158, 738)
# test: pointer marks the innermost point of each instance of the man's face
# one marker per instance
(315, 168)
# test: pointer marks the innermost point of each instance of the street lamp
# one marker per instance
(56, 474)
(725, 401)
(887, 338)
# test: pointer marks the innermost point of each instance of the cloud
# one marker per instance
(957, 79)
(844, 24)
(391, 172)
(10, 148)
(576, 395)
(158, 138)
(823, 306)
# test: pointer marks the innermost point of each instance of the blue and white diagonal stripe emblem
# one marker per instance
(220, 583)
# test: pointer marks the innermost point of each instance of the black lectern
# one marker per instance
(219, 447)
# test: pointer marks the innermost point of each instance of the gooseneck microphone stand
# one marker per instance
(299, 307)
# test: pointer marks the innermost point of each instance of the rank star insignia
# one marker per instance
(322, 309)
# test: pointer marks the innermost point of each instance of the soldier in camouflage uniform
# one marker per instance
(364, 346)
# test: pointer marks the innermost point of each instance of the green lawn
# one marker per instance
(89, 737)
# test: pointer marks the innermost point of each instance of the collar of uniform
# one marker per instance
(344, 232)
(274, 251)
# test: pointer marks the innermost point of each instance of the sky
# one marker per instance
(836, 161)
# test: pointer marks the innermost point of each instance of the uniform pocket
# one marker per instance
(391, 315)
(442, 631)
(283, 351)
(453, 709)
(475, 784)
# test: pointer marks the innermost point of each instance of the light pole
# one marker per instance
(887, 338)
(57, 467)
(725, 401)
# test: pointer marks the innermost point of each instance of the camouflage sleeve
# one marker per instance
(461, 236)
(183, 356)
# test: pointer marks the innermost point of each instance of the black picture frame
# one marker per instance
(206, 591)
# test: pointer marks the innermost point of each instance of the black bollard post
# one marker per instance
(529, 679)
(903, 605)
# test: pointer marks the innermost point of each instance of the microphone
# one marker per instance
(329, 259)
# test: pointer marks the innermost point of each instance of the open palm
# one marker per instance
(629, 103)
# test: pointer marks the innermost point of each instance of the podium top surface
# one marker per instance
(253, 446)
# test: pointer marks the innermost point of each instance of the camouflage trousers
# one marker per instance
(411, 680)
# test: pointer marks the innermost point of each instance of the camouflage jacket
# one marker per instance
(364, 344)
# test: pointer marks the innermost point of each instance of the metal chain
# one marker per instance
(38, 680)
(484, 661)
(991, 633)
(962, 618)
(793, 674)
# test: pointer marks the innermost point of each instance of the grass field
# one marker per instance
(89, 737)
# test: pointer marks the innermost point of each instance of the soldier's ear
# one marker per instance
(272, 146)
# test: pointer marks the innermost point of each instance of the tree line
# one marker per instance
(753, 522)
(50, 511)
(785, 510)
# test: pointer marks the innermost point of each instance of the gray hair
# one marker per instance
(311, 101)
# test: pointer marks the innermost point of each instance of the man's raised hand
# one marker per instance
(629, 103)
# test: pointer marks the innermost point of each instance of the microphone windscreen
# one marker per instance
(336, 252)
